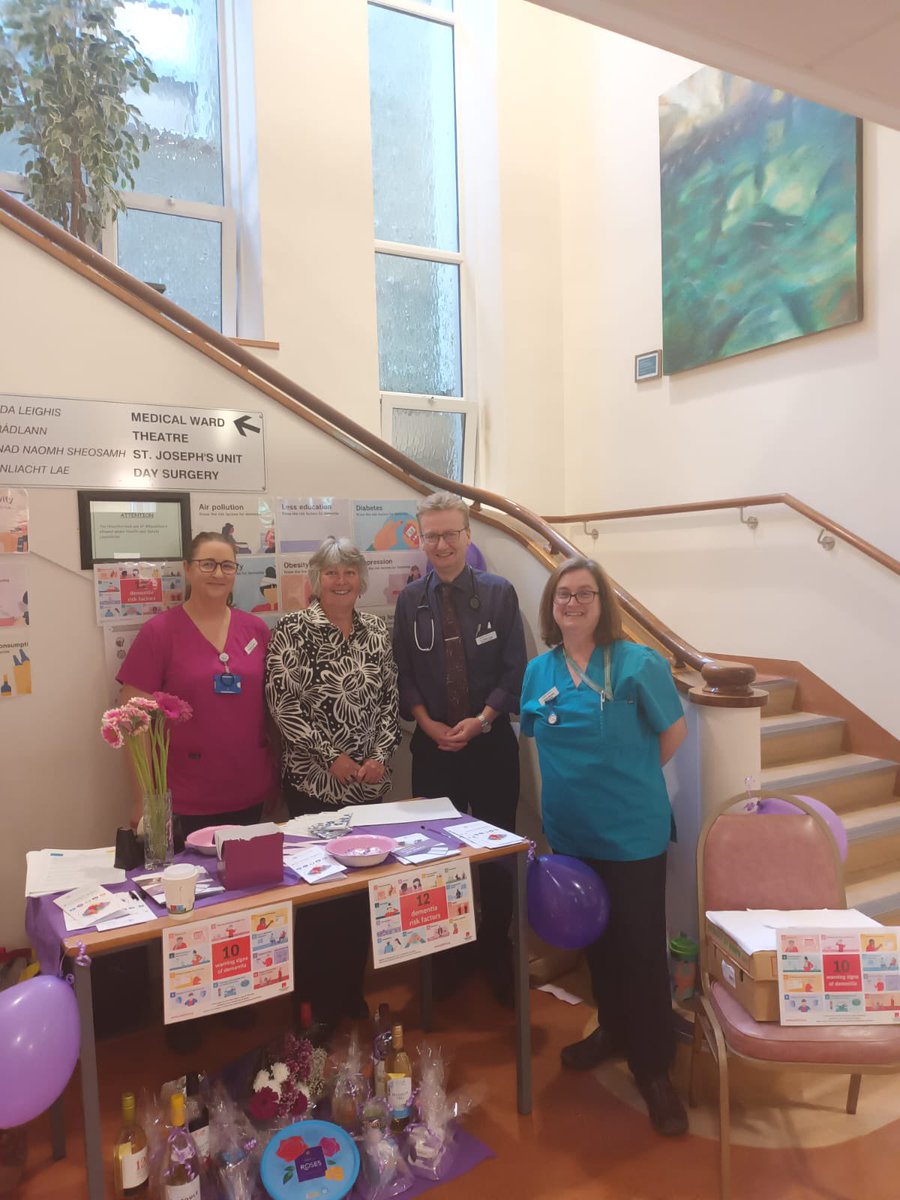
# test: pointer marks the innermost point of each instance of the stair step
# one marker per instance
(874, 892)
(842, 781)
(782, 692)
(796, 736)
(874, 836)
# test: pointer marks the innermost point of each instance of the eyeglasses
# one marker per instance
(208, 565)
(583, 595)
(451, 537)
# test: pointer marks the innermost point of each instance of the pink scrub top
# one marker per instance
(220, 760)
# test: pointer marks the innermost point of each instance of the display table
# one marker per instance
(46, 928)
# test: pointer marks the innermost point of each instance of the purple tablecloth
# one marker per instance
(46, 926)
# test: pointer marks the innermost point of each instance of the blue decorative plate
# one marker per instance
(310, 1160)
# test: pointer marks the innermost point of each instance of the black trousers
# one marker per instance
(191, 822)
(629, 965)
(482, 779)
(331, 940)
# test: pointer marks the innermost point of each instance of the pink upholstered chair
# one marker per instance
(785, 861)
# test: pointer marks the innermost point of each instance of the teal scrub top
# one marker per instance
(603, 794)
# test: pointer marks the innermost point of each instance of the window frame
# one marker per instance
(467, 402)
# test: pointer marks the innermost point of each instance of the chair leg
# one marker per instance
(853, 1093)
(696, 1048)
(724, 1130)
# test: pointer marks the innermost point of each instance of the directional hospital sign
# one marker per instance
(105, 444)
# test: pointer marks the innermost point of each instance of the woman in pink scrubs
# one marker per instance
(221, 765)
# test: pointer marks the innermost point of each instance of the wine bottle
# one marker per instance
(197, 1116)
(181, 1163)
(317, 1032)
(398, 1073)
(381, 1044)
(131, 1162)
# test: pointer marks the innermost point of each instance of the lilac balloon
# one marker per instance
(39, 1041)
(773, 805)
(568, 905)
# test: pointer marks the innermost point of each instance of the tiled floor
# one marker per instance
(580, 1143)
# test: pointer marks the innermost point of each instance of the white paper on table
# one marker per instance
(482, 836)
(50, 871)
(313, 864)
(131, 910)
(429, 849)
(754, 929)
(86, 905)
(399, 812)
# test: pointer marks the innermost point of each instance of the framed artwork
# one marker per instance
(761, 218)
(647, 366)
(133, 526)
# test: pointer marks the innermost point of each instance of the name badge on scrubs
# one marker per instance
(227, 684)
(251, 646)
(552, 718)
(490, 636)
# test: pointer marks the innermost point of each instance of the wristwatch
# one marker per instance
(484, 723)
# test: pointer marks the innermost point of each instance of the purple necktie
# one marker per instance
(457, 675)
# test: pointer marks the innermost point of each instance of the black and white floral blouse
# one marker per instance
(332, 695)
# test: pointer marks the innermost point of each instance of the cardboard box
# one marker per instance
(759, 996)
(760, 965)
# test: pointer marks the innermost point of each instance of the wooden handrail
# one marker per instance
(664, 510)
(89, 263)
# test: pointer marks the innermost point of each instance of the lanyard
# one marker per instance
(606, 692)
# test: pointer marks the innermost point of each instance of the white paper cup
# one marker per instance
(180, 885)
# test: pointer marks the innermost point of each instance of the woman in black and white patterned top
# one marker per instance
(331, 686)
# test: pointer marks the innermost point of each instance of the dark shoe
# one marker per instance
(590, 1052)
(667, 1115)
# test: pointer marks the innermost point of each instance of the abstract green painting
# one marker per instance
(761, 205)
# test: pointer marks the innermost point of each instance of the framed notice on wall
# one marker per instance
(132, 526)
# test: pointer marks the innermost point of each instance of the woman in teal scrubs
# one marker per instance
(606, 716)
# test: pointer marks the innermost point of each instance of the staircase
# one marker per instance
(803, 753)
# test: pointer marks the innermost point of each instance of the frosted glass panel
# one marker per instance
(418, 326)
(413, 129)
(183, 110)
(434, 439)
(181, 252)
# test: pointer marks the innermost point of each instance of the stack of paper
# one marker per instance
(754, 929)
(312, 864)
(50, 871)
(95, 906)
(482, 836)
(416, 848)
(152, 885)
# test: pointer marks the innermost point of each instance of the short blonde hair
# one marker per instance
(443, 502)
(337, 552)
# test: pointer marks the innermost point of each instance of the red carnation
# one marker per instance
(300, 1105)
(291, 1148)
(263, 1104)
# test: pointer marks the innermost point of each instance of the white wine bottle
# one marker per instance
(181, 1164)
(197, 1117)
(398, 1074)
(131, 1162)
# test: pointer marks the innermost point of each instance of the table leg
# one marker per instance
(523, 996)
(90, 1092)
(425, 993)
(58, 1129)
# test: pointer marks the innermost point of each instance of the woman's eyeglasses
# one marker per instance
(583, 595)
(208, 565)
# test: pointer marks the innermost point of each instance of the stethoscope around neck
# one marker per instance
(474, 604)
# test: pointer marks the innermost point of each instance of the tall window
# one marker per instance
(180, 227)
(427, 408)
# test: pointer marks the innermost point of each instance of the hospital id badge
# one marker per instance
(227, 684)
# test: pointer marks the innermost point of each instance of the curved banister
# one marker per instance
(50, 238)
(785, 498)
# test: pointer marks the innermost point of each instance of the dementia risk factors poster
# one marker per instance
(839, 976)
(211, 966)
(421, 911)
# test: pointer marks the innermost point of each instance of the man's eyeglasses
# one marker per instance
(583, 595)
(208, 565)
(451, 537)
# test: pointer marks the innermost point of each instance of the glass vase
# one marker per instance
(158, 848)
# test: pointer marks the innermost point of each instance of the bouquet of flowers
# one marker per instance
(143, 725)
(285, 1087)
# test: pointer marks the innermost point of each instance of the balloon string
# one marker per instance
(82, 959)
(532, 851)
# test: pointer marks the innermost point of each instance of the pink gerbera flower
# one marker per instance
(173, 708)
(112, 736)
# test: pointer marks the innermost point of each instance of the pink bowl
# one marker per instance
(203, 841)
(361, 849)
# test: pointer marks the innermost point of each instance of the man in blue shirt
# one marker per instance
(460, 651)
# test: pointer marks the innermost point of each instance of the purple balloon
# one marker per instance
(568, 905)
(39, 1041)
(773, 805)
